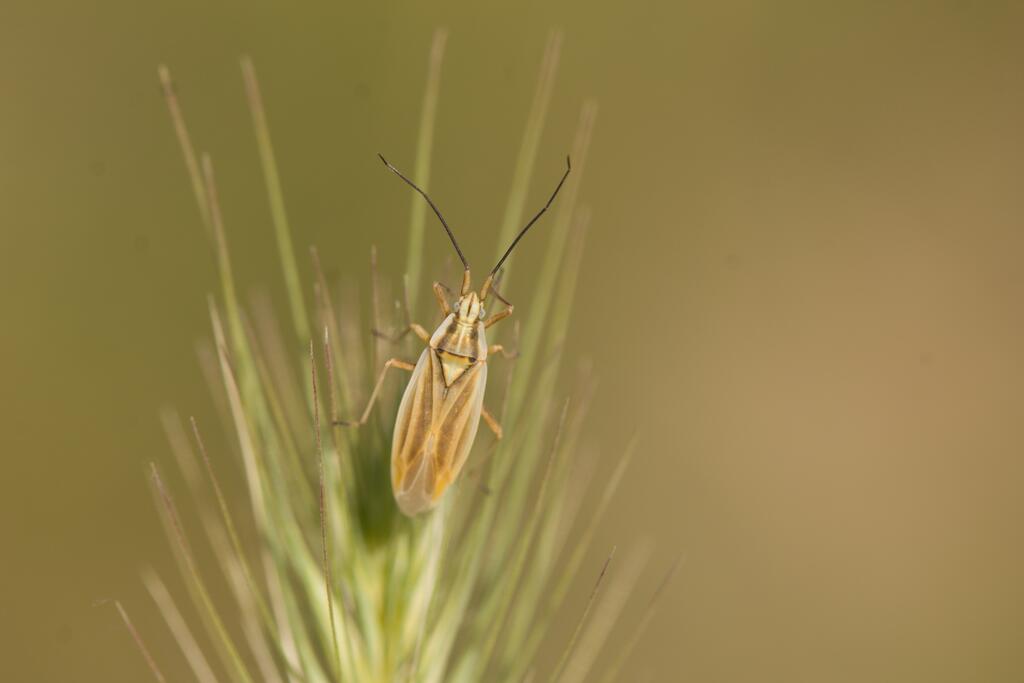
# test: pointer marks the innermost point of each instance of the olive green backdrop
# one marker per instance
(802, 288)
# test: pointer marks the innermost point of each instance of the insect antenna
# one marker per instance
(490, 276)
(433, 206)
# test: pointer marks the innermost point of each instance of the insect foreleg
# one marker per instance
(392, 363)
(492, 423)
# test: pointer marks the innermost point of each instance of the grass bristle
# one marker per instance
(322, 499)
(583, 618)
(137, 637)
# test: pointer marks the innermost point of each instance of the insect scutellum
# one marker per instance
(442, 405)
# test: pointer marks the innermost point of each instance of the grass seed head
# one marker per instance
(327, 580)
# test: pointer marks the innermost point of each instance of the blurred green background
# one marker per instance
(802, 288)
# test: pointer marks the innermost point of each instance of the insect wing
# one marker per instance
(434, 432)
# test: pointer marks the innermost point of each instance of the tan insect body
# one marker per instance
(440, 411)
(443, 403)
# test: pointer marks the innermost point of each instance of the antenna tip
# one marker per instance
(568, 163)
(381, 157)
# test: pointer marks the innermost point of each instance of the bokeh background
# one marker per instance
(802, 288)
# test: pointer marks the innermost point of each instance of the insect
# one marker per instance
(443, 403)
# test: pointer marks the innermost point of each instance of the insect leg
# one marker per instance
(492, 423)
(392, 363)
(500, 315)
(500, 348)
(439, 291)
(420, 331)
(409, 324)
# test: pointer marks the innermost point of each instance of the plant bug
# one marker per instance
(444, 401)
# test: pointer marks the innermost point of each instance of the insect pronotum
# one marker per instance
(444, 401)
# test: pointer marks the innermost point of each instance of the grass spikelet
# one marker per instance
(326, 579)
